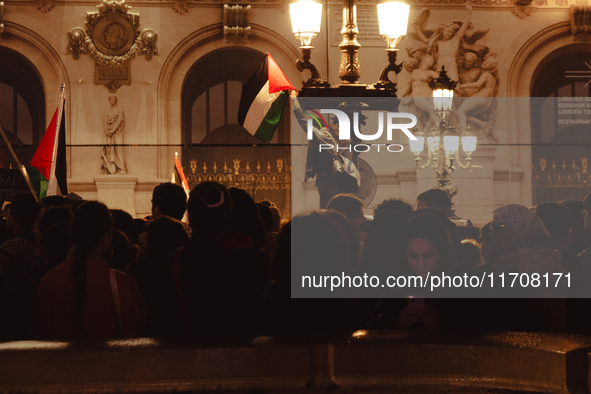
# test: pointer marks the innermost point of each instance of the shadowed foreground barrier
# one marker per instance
(366, 361)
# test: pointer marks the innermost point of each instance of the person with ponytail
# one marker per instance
(83, 298)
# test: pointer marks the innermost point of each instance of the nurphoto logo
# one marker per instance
(388, 121)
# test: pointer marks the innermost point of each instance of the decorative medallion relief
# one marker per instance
(112, 39)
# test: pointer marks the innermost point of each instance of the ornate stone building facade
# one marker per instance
(176, 69)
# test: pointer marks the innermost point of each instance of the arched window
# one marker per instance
(22, 106)
(216, 147)
(561, 120)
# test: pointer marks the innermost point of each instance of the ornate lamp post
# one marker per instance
(444, 141)
(305, 20)
(305, 24)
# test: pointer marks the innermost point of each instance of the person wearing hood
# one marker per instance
(519, 243)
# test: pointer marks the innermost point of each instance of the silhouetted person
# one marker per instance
(577, 231)
(394, 204)
(268, 222)
(384, 242)
(54, 241)
(519, 243)
(321, 243)
(125, 223)
(169, 199)
(122, 254)
(276, 214)
(435, 199)
(215, 293)
(351, 207)
(559, 221)
(83, 298)
(246, 231)
(154, 275)
(17, 255)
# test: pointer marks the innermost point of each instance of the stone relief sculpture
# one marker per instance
(445, 43)
(113, 126)
(453, 45)
(112, 39)
(418, 95)
(481, 100)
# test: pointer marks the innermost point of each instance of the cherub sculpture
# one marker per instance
(481, 101)
(450, 40)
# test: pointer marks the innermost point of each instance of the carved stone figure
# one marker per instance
(113, 126)
(481, 101)
(446, 43)
(469, 72)
(419, 95)
(114, 36)
(454, 45)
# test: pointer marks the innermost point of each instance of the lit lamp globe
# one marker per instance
(417, 146)
(469, 141)
(393, 21)
(305, 20)
(451, 143)
(443, 99)
(443, 94)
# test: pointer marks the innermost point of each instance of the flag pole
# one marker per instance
(52, 181)
(18, 163)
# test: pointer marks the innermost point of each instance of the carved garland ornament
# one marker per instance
(112, 39)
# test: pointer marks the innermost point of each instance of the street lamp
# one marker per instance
(305, 24)
(444, 141)
(393, 22)
(305, 20)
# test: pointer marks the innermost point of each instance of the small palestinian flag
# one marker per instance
(263, 98)
(50, 156)
(179, 174)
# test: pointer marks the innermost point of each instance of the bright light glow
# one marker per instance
(443, 99)
(469, 143)
(305, 20)
(451, 143)
(393, 19)
(128, 343)
(433, 143)
(31, 345)
(418, 145)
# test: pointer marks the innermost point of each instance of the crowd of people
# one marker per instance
(77, 270)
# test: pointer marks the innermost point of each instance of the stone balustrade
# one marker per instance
(365, 361)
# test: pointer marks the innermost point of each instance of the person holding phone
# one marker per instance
(426, 252)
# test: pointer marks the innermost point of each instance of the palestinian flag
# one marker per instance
(263, 98)
(50, 156)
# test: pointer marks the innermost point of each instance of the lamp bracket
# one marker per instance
(384, 82)
(305, 64)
